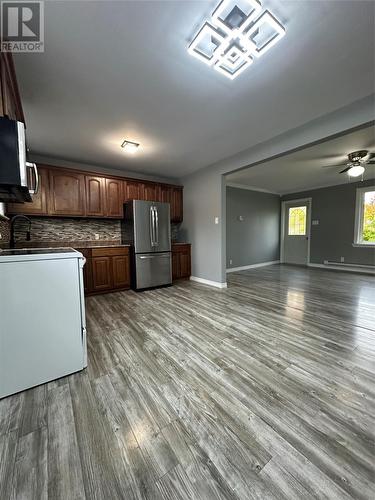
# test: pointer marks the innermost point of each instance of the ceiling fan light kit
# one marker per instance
(356, 164)
(356, 171)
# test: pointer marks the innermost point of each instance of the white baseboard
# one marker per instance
(359, 269)
(216, 284)
(252, 266)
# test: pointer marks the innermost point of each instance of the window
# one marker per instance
(297, 221)
(364, 231)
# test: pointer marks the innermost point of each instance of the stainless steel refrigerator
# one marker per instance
(148, 226)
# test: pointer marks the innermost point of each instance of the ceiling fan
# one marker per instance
(356, 163)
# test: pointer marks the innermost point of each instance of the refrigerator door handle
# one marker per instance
(156, 227)
(155, 256)
(152, 226)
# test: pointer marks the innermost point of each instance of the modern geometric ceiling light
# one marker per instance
(236, 32)
(130, 146)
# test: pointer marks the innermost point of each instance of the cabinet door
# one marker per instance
(10, 101)
(175, 265)
(121, 271)
(114, 198)
(149, 192)
(39, 205)
(131, 190)
(185, 264)
(95, 196)
(67, 193)
(101, 273)
(165, 194)
(176, 205)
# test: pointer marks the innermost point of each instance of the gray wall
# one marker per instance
(202, 203)
(256, 239)
(334, 207)
(209, 261)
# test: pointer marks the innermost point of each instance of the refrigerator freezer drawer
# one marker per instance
(153, 270)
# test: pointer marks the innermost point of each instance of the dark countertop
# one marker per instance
(35, 251)
(75, 244)
(70, 244)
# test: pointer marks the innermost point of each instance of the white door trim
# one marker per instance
(282, 226)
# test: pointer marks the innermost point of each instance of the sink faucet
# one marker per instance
(13, 220)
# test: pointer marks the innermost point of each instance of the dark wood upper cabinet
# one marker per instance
(165, 194)
(10, 101)
(149, 191)
(95, 196)
(114, 198)
(39, 205)
(67, 193)
(73, 193)
(131, 190)
(176, 204)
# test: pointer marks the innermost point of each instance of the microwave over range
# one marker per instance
(18, 177)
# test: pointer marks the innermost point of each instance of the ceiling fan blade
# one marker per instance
(334, 166)
(345, 169)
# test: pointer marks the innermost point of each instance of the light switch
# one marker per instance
(315, 222)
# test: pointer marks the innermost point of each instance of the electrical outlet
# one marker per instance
(96, 236)
(342, 259)
(216, 220)
(230, 262)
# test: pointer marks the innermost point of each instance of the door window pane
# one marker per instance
(368, 222)
(297, 221)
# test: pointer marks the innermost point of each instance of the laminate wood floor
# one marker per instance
(261, 391)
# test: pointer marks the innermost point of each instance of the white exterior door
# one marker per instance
(296, 231)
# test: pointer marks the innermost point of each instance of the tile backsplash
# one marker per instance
(4, 231)
(70, 229)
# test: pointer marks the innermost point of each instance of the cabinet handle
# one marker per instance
(36, 176)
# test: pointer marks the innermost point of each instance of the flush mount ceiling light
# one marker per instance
(236, 32)
(130, 146)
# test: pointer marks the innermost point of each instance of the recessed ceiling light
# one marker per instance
(237, 31)
(130, 146)
(356, 171)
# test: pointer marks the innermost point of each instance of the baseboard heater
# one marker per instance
(360, 267)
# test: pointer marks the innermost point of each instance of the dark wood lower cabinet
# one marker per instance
(101, 274)
(107, 269)
(181, 261)
(121, 271)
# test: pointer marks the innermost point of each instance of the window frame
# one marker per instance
(358, 218)
(305, 225)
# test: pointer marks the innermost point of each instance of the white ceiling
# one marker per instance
(119, 69)
(308, 168)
